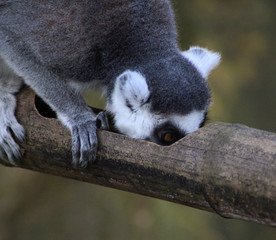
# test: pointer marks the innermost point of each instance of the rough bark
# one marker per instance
(228, 169)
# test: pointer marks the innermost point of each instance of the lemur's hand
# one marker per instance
(10, 130)
(84, 143)
(84, 137)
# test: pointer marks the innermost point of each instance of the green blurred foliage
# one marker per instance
(37, 206)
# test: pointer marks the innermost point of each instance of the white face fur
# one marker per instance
(131, 109)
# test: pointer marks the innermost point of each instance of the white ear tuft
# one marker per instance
(134, 88)
(203, 59)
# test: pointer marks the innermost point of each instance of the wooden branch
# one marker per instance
(224, 168)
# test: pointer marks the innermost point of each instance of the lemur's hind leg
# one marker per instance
(10, 84)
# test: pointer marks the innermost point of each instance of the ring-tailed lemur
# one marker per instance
(127, 48)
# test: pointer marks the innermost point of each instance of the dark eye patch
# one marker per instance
(167, 134)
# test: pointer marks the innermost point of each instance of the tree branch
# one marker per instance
(224, 168)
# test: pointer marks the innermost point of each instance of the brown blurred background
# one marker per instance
(37, 206)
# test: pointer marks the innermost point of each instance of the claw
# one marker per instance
(10, 152)
(9, 149)
(10, 129)
(84, 143)
(18, 131)
(102, 121)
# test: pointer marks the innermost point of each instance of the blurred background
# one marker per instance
(37, 206)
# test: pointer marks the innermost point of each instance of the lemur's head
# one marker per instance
(165, 100)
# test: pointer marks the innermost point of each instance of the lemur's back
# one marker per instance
(84, 38)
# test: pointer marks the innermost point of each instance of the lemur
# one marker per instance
(127, 48)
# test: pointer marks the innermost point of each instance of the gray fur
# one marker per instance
(51, 44)
(9, 85)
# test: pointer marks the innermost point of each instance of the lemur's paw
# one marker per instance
(9, 149)
(84, 143)
(102, 121)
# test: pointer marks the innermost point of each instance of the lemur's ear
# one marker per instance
(203, 59)
(134, 88)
